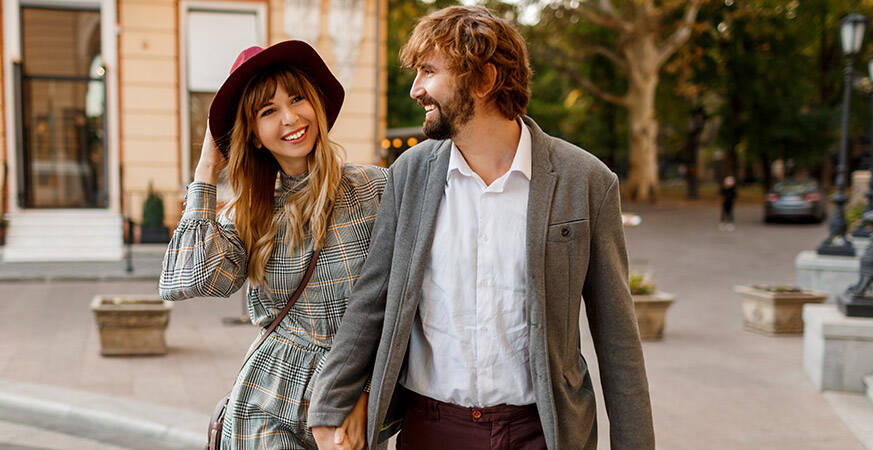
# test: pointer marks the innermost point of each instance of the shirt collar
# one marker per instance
(289, 183)
(520, 163)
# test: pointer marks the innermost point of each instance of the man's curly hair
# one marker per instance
(469, 38)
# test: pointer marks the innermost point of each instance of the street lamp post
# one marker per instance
(864, 231)
(837, 243)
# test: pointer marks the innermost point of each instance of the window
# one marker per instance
(214, 38)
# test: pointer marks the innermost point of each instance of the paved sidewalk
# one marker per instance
(714, 386)
(100, 419)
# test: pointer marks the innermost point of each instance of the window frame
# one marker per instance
(259, 8)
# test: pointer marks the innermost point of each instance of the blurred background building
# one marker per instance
(104, 99)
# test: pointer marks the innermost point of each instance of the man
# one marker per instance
(466, 313)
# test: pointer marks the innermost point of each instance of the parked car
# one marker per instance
(795, 200)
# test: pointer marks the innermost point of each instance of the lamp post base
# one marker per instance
(861, 232)
(855, 306)
(845, 249)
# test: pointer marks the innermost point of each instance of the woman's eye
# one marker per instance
(296, 99)
(267, 112)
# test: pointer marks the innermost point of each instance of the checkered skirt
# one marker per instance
(206, 258)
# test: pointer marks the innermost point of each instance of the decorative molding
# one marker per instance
(303, 20)
(346, 27)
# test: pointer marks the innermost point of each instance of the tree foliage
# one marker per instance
(765, 76)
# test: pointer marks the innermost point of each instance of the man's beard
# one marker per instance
(456, 112)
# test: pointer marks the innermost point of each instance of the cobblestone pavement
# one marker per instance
(714, 386)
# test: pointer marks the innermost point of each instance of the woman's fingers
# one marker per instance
(211, 162)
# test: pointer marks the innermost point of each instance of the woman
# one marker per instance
(271, 118)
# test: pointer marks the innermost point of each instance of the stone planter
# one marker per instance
(131, 325)
(771, 312)
(651, 310)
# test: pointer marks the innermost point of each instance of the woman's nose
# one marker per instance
(289, 116)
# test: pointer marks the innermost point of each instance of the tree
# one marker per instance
(645, 34)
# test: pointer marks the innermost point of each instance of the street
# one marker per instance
(713, 385)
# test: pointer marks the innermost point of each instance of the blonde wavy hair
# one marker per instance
(252, 172)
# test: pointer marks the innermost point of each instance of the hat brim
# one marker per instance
(297, 54)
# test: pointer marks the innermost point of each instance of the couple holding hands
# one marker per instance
(440, 297)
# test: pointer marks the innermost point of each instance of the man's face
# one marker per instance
(446, 107)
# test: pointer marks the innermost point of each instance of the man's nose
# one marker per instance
(416, 90)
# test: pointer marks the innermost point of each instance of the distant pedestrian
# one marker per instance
(728, 194)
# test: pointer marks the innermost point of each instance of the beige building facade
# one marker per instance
(104, 99)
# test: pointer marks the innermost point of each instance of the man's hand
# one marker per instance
(351, 435)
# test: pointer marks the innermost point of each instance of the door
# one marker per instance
(62, 111)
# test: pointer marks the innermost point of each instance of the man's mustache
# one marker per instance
(428, 100)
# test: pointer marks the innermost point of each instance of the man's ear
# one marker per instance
(486, 84)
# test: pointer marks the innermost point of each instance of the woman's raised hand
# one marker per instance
(211, 162)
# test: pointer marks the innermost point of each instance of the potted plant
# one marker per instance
(131, 325)
(650, 306)
(776, 309)
(153, 229)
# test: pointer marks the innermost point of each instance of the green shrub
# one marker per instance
(781, 288)
(854, 213)
(641, 284)
(153, 210)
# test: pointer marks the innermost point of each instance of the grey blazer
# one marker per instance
(575, 249)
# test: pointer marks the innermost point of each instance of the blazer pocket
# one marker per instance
(566, 231)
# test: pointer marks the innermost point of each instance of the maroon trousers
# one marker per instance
(434, 425)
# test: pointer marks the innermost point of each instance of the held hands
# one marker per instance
(351, 435)
(211, 162)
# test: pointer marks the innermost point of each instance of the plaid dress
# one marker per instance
(206, 258)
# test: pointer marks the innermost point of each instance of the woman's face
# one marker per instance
(287, 126)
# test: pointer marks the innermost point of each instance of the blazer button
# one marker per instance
(565, 231)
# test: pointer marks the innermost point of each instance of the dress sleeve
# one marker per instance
(206, 256)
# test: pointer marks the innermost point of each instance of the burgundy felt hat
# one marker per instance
(297, 54)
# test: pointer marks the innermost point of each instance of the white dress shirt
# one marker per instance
(469, 342)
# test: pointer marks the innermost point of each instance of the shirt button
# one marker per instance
(477, 414)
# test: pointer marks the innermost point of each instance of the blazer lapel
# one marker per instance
(542, 187)
(437, 167)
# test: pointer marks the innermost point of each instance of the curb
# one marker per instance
(100, 417)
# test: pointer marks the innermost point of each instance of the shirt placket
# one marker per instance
(482, 285)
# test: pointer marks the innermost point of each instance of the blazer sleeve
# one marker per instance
(349, 363)
(613, 325)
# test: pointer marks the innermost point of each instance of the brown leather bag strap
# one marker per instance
(297, 293)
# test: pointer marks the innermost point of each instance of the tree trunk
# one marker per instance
(642, 183)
